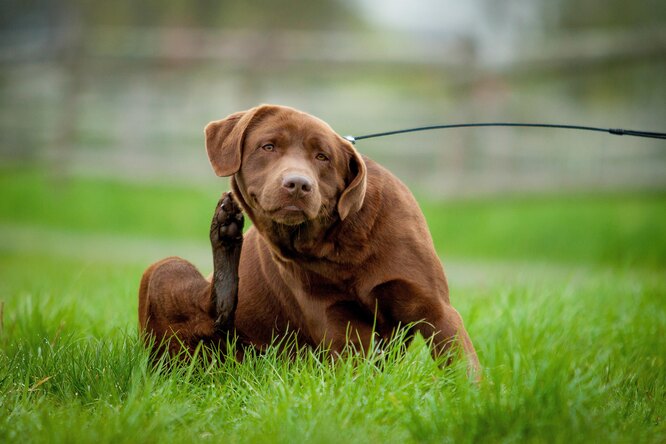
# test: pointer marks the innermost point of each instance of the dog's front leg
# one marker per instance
(226, 237)
(444, 326)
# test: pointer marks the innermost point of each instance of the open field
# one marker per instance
(564, 297)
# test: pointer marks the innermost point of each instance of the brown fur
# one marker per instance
(328, 261)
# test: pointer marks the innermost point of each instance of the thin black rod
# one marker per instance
(613, 131)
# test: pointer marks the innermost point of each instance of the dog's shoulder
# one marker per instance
(393, 211)
(386, 194)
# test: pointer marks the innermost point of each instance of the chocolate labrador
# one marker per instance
(339, 251)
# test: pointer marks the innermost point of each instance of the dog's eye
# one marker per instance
(268, 147)
(321, 156)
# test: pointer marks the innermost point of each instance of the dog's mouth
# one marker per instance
(289, 214)
(284, 211)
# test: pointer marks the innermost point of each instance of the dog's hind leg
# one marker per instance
(178, 307)
(175, 310)
(226, 238)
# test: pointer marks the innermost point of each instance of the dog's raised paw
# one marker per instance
(226, 229)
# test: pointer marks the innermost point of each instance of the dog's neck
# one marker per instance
(308, 241)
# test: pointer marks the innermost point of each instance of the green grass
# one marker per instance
(614, 230)
(89, 205)
(565, 298)
(617, 229)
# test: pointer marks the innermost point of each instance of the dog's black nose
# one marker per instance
(297, 184)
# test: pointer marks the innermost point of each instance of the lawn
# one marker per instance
(564, 297)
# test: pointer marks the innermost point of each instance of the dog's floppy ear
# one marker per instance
(223, 144)
(224, 139)
(352, 197)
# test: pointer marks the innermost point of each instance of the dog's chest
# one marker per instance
(313, 295)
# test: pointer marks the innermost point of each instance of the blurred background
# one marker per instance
(123, 89)
(103, 105)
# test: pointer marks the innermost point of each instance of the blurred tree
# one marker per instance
(280, 14)
(580, 14)
(566, 15)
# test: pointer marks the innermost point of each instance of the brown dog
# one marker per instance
(339, 250)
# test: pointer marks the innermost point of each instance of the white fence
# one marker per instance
(132, 103)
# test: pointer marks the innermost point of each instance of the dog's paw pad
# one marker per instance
(227, 226)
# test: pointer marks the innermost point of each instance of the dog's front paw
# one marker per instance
(226, 229)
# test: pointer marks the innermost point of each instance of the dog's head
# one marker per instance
(288, 166)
